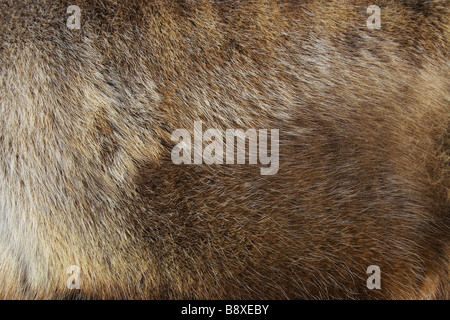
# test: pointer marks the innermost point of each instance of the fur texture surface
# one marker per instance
(86, 177)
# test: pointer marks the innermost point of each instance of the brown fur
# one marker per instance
(86, 178)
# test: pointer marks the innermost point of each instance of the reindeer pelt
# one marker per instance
(86, 177)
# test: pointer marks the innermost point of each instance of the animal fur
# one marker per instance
(86, 178)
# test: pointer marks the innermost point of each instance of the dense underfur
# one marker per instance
(86, 177)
